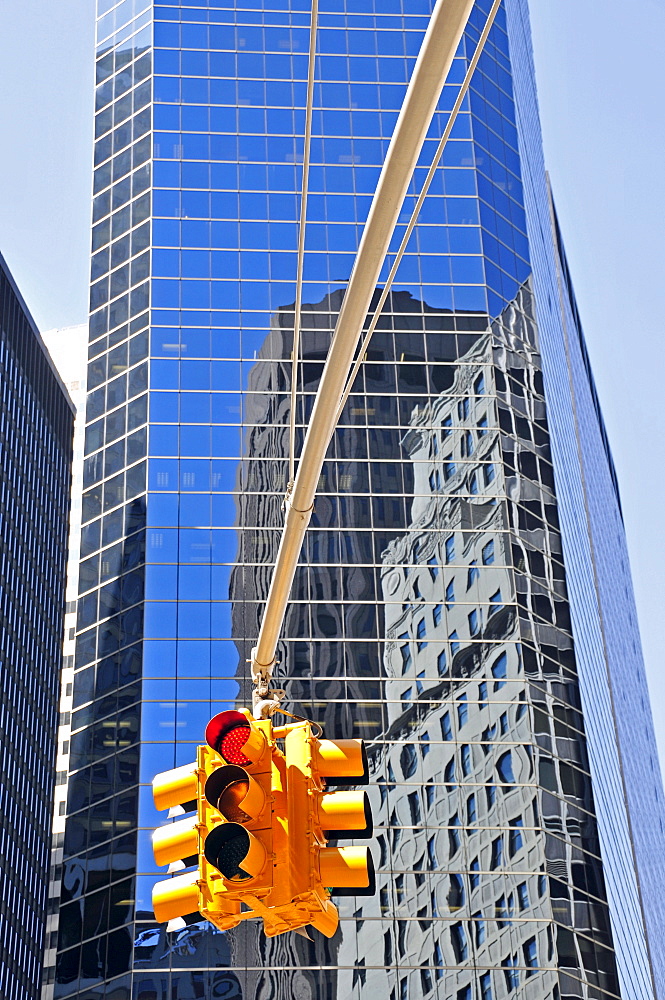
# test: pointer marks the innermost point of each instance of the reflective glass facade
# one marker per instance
(36, 427)
(458, 602)
(68, 347)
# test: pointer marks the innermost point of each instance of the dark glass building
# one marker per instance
(463, 601)
(36, 427)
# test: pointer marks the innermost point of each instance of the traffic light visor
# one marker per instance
(345, 814)
(343, 762)
(175, 787)
(235, 852)
(175, 841)
(348, 870)
(232, 735)
(175, 897)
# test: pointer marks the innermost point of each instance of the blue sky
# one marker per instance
(601, 83)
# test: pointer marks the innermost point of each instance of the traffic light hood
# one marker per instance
(234, 738)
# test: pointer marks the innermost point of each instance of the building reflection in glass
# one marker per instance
(455, 661)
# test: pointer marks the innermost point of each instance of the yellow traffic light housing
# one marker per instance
(259, 836)
(317, 815)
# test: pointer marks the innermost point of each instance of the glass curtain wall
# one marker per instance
(68, 347)
(36, 428)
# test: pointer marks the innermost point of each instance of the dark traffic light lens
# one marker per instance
(230, 800)
(232, 791)
(226, 847)
(230, 858)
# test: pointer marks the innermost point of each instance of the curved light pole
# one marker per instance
(442, 37)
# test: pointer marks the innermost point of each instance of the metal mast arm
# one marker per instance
(442, 37)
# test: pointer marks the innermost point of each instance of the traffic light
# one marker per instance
(228, 838)
(316, 815)
(256, 843)
(180, 845)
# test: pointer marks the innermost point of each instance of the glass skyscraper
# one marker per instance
(68, 348)
(36, 427)
(463, 601)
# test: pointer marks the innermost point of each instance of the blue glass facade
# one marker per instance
(36, 427)
(454, 604)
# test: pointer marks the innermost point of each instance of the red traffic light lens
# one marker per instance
(232, 743)
(227, 733)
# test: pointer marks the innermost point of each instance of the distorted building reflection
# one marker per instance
(488, 834)
(482, 826)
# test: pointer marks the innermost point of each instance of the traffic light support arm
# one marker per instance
(442, 37)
